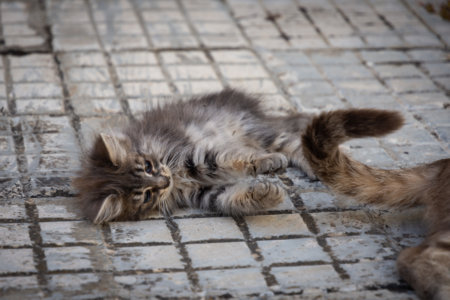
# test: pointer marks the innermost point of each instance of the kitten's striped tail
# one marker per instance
(320, 142)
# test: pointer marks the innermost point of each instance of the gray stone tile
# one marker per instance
(60, 233)
(84, 59)
(184, 57)
(424, 101)
(13, 285)
(190, 87)
(360, 87)
(293, 74)
(49, 163)
(58, 208)
(243, 71)
(34, 74)
(342, 223)
(87, 74)
(12, 211)
(153, 231)
(50, 142)
(276, 225)
(14, 235)
(191, 72)
(355, 248)
(200, 229)
(220, 255)
(145, 90)
(138, 73)
(77, 285)
(419, 154)
(311, 89)
(68, 258)
(393, 71)
(37, 90)
(91, 90)
(158, 284)
(234, 56)
(350, 71)
(427, 54)
(94, 107)
(292, 250)
(437, 69)
(384, 56)
(16, 261)
(134, 58)
(8, 164)
(405, 85)
(293, 279)
(40, 106)
(147, 258)
(378, 272)
(334, 58)
(32, 60)
(220, 282)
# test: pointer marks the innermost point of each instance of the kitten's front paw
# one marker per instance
(267, 193)
(270, 163)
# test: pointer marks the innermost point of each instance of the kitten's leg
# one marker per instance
(291, 147)
(253, 162)
(239, 198)
(288, 141)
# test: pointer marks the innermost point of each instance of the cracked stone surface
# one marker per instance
(69, 68)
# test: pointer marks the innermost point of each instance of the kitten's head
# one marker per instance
(118, 183)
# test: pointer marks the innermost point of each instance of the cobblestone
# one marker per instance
(71, 68)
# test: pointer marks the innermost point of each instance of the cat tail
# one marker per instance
(321, 140)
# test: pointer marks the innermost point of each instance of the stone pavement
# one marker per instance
(67, 67)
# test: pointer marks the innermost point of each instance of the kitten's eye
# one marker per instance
(148, 196)
(148, 167)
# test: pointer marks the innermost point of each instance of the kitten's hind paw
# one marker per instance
(270, 163)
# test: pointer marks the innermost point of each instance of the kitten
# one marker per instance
(204, 153)
(427, 266)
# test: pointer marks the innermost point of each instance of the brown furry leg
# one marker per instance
(249, 196)
(427, 267)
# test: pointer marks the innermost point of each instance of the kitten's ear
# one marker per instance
(110, 209)
(113, 148)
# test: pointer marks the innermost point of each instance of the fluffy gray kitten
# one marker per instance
(204, 153)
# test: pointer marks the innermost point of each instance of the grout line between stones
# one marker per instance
(159, 60)
(321, 239)
(34, 229)
(395, 95)
(419, 17)
(202, 47)
(110, 66)
(97, 256)
(349, 22)
(273, 19)
(258, 56)
(308, 17)
(269, 278)
(188, 268)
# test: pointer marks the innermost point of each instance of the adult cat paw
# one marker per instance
(270, 163)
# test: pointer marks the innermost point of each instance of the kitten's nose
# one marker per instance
(163, 182)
